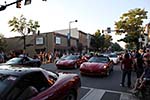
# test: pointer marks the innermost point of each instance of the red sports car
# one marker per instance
(71, 61)
(20, 83)
(97, 65)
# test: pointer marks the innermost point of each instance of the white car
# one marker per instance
(114, 58)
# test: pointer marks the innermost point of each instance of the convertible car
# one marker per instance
(24, 61)
(70, 61)
(97, 65)
(22, 83)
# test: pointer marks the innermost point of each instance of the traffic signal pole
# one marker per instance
(3, 7)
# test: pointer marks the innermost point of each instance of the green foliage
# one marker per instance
(131, 22)
(23, 27)
(116, 47)
(100, 41)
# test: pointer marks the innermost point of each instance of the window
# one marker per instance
(39, 40)
(58, 40)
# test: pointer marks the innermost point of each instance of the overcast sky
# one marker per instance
(56, 14)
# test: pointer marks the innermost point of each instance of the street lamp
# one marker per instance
(69, 34)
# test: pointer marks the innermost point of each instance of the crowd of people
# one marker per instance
(45, 57)
(139, 62)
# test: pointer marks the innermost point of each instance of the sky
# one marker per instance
(56, 14)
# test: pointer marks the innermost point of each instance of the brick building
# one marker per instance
(51, 41)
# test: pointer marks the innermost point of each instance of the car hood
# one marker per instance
(65, 61)
(11, 63)
(92, 65)
(65, 77)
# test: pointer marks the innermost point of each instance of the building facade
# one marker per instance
(50, 42)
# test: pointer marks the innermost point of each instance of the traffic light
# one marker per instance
(108, 30)
(18, 4)
(27, 2)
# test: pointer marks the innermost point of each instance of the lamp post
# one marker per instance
(69, 34)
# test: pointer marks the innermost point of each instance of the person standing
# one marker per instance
(146, 56)
(126, 67)
(139, 63)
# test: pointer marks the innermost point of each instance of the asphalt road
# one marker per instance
(109, 83)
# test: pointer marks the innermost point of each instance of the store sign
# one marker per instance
(58, 40)
(39, 40)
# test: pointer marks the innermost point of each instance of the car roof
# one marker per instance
(17, 71)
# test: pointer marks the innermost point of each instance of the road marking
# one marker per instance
(97, 94)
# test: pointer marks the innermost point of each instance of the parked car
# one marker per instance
(114, 57)
(71, 61)
(97, 65)
(22, 83)
(24, 61)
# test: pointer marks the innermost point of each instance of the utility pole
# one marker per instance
(69, 34)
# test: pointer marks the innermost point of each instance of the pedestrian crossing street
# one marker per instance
(100, 94)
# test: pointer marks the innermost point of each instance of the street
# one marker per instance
(100, 88)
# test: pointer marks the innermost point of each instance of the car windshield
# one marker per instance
(63, 57)
(13, 61)
(113, 55)
(6, 81)
(71, 57)
(98, 59)
(29, 58)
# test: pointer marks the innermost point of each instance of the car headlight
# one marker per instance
(105, 67)
(82, 65)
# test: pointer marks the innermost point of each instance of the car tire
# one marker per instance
(71, 96)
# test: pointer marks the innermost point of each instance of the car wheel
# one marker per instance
(75, 66)
(71, 96)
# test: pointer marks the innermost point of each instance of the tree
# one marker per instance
(2, 42)
(131, 23)
(100, 41)
(97, 41)
(23, 27)
(108, 39)
(116, 47)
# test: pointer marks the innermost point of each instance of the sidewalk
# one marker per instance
(100, 94)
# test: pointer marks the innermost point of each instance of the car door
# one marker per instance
(38, 81)
(53, 92)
